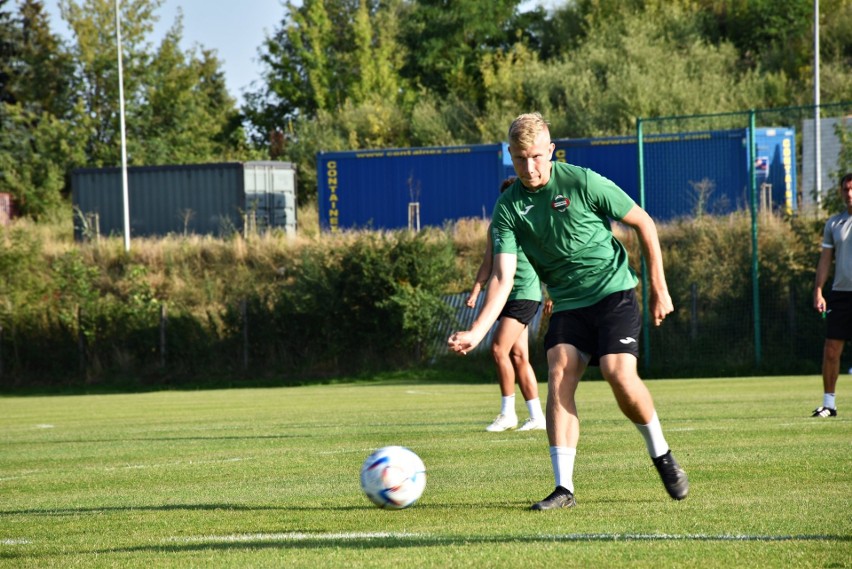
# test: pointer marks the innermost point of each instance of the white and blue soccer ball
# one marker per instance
(393, 477)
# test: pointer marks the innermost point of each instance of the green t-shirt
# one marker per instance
(527, 286)
(564, 229)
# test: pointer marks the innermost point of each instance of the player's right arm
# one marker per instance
(483, 273)
(823, 268)
(499, 287)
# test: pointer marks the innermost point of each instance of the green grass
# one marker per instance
(269, 478)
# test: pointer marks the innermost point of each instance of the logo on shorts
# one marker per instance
(627, 340)
(560, 203)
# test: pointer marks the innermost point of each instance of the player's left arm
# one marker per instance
(660, 302)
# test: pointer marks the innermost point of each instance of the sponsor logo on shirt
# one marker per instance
(560, 203)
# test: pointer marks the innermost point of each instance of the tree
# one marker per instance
(45, 81)
(93, 23)
(774, 34)
(378, 57)
(60, 106)
(177, 106)
(35, 150)
(35, 147)
(652, 62)
(331, 81)
(304, 66)
(186, 114)
(447, 39)
(10, 47)
(327, 54)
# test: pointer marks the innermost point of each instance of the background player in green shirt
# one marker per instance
(560, 215)
(510, 345)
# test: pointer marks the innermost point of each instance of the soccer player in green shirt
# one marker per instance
(560, 215)
(510, 342)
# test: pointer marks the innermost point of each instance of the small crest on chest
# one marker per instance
(560, 203)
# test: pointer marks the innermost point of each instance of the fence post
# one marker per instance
(646, 327)
(81, 339)
(1, 351)
(755, 266)
(244, 319)
(163, 336)
(694, 311)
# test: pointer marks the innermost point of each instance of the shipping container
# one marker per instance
(830, 153)
(407, 187)
(687, 172)
(205, 199)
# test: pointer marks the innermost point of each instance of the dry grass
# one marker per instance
(469, 236)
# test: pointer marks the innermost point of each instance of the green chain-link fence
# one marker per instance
(737, 198)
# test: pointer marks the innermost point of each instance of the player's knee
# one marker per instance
(833, 350)
(518, 357)
(499, 353)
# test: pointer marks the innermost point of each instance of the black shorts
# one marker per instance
(838, 320)
(521, 310)
(611, 326)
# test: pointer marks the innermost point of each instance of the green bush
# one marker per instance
(356, 308)
(278, 310)
(709, 272)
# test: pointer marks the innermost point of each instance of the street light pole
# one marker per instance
(124, 191)
(817, 134)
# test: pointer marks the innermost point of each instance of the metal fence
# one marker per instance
(737, 199)
(772, 323)
(462, 319)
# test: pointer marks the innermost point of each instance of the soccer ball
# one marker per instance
(393, 477)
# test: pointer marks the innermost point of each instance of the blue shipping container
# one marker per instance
(685, 171)
(373, 188)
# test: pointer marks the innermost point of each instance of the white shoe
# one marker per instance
(533, 425)
(502, 423)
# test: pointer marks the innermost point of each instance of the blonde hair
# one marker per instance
(525, 129)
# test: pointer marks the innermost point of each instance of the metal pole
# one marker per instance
(646, 327)
(244, 318)
(163, 322)
(755, 266)
(124, 192)
(817, 136)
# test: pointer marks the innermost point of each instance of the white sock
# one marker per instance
(508, 408)
(653, 435)
(562, 459)
(534, 407)
(828, 400)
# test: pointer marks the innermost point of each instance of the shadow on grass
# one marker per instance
(366, 507)
(362, 540)
(161, 508)
(150, 439)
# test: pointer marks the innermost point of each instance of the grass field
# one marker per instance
(269, 478)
